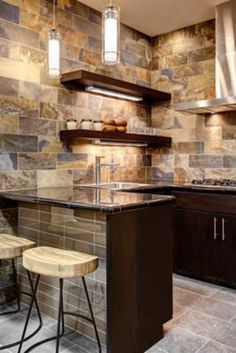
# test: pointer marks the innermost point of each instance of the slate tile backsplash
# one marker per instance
(33, 107)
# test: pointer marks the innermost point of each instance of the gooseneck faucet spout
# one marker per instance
(99, 165)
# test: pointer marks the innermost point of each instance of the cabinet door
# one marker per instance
(228, 246)
(196, 244)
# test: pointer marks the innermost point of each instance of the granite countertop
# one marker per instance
(165, 185)
(91, 198)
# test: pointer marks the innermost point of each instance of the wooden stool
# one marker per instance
(62, 264)
(12, 247)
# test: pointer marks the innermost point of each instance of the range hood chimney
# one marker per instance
(225, 65)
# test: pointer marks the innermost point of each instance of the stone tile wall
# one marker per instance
(33, 108)
(8, 225)
(69, 229)
(203, 146)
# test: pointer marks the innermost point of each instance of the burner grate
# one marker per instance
(213, 182)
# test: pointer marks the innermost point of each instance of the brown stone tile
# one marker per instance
(71, 161)
(205, 161)
(173, 60)
(18, 180)
(4, 48)
(67, 97)
(229, 132)
(32, 56)
(18, 143)
(69, 51)
(188, 147)
(83, 176)
(50, 144)
(32, 6)
(34, 161)
(90, 57)
(37, 92)
(229, 161)
(8, 86)
(9, 12)
(12, 105)
(187, 70)
(95, 16)
(47, 178)
(56, 111)
(19, 34)
(90, 28)
(9, 124)
(37, 127)
(201, 54)
(34, 22)
(8, 161)
(77, 8)
(78, 39)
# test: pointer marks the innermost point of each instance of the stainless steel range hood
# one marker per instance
(225, 65)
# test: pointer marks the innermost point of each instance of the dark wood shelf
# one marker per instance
(71, 136)
(81, 79)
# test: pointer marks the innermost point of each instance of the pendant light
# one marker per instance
(54, 48)
(111, 35)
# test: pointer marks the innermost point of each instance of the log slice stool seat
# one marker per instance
(61, 264)
(12, 247)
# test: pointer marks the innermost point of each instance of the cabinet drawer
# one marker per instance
(206, 201)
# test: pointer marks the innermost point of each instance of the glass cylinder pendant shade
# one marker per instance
(53, 53)
(111, 35)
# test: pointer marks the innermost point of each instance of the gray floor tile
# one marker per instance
(208, 326)
(184, 298)
(214, 347)
(216, 308)
(178, 340)
(204, 322)
(195, 286)
(226, 295)
(11, 329)
(178, 309)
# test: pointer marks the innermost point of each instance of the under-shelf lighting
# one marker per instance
(54, 48)
(114, 94)
(111, 35)
(99, 142)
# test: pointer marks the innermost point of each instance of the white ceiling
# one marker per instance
(154, 17)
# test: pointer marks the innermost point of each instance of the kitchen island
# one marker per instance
(131, 234)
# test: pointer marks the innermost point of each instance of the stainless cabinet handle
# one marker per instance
(215, 232)
(223, 229)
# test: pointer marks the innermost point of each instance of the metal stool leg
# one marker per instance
(60, 325)
(60, 322)
(33, 300)
(39, 317)
(60, 316)
(92, 315)
(16, 284)
(14, 272)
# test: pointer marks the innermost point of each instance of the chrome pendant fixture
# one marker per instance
(54, 48)
(111, 35)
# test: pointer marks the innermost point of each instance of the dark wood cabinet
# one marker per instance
(205, 238)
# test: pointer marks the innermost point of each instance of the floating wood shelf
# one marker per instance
(81, 79)
(72, 136)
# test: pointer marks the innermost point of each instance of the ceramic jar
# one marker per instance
(86, 124)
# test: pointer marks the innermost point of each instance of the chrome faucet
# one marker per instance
(100, 165)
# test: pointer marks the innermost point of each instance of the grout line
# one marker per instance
(202, 346)
(194, 292)
(233, 318)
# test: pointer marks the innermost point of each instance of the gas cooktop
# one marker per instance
(214, 182)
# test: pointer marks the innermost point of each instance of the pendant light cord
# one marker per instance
(54, 15)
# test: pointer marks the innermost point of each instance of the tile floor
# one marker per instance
(204, 322)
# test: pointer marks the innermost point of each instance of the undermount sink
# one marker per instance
(117, 186)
